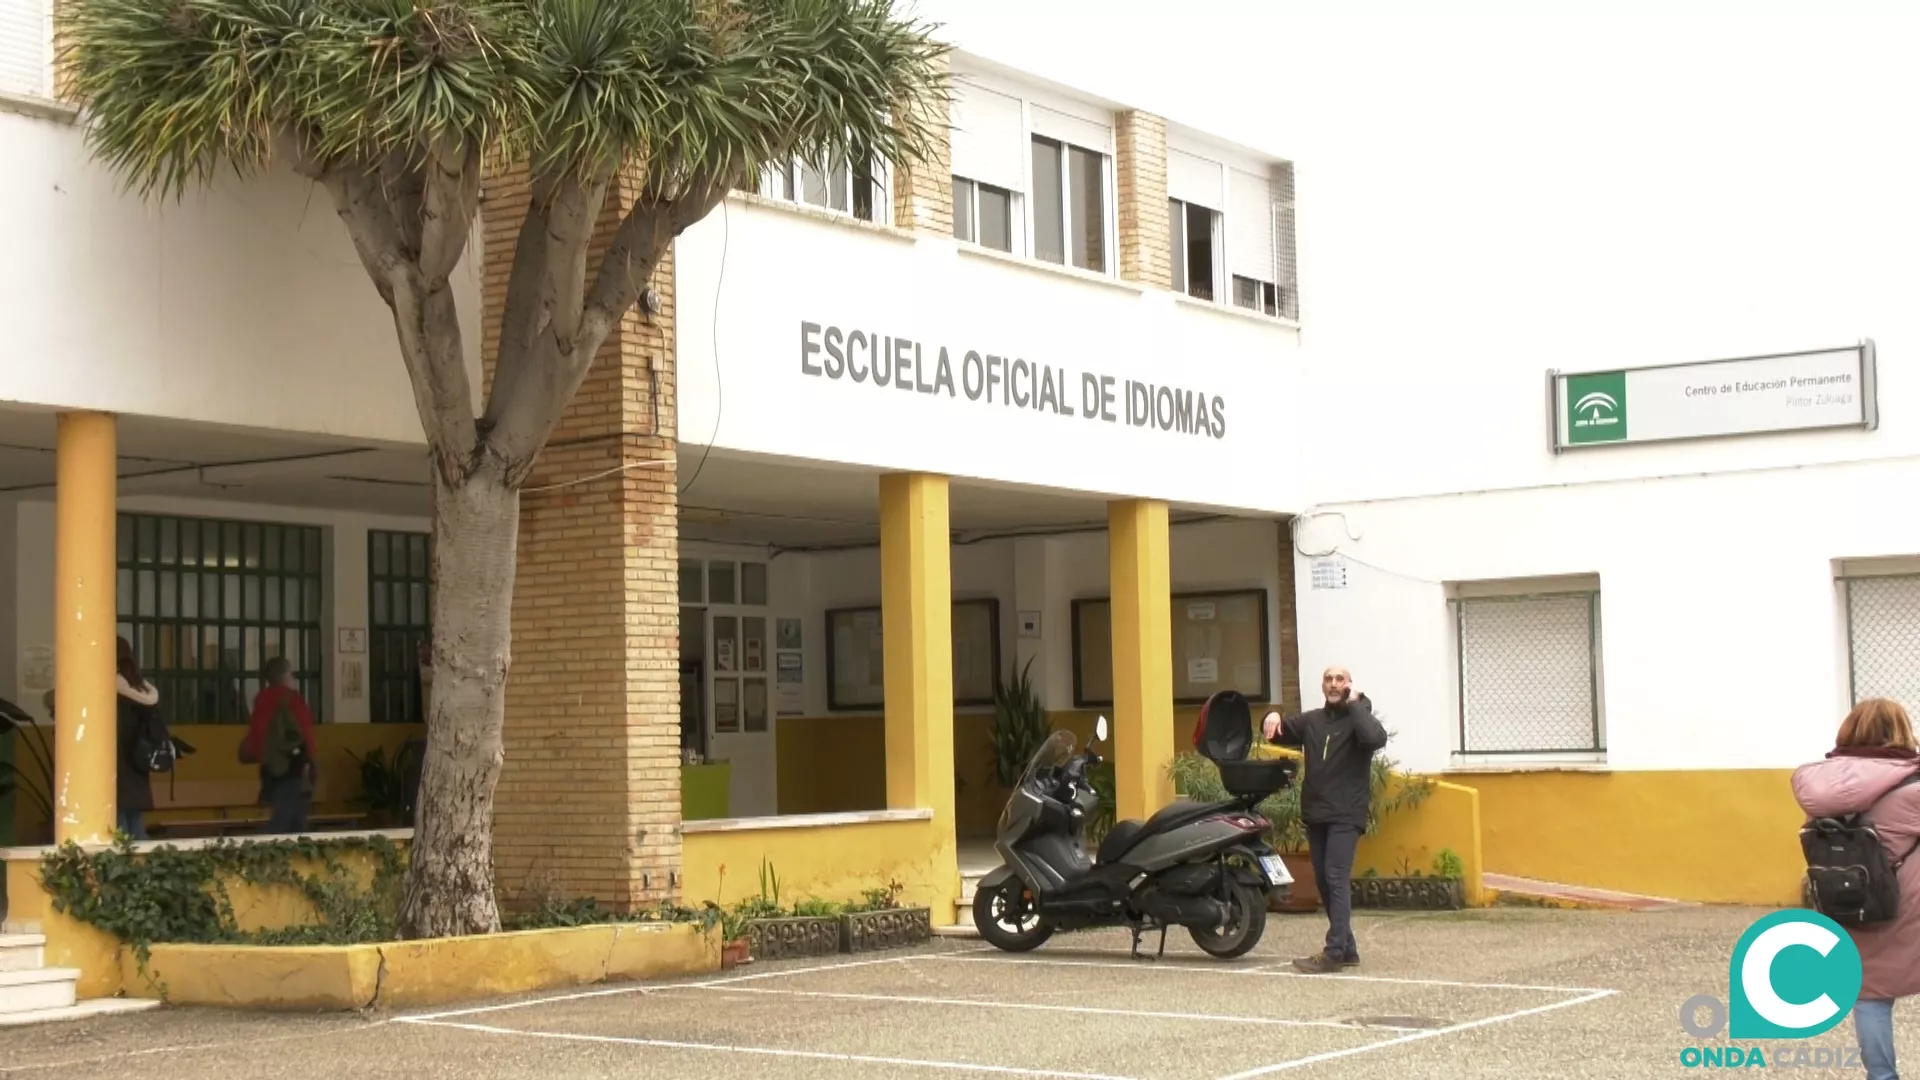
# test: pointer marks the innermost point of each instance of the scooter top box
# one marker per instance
(1256, 776)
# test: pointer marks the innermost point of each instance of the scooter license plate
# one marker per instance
(1276, 870)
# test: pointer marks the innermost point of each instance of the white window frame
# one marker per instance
(774, 179)
(1017, 215)
(1464, 760)
(1109, 215)
(49, 57)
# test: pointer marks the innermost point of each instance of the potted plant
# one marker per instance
(385, 793)
(877, 921)
(1019, 726)
(774, 932)
(1443, 890)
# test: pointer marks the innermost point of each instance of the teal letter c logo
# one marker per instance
(1794, 974)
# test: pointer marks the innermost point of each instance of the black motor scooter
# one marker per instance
(1203, 866)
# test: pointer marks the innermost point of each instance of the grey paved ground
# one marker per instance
(1475, 994)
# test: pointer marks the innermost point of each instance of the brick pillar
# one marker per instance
(923, 195)
(1287, 630)
(589, 797)
(1140, 175)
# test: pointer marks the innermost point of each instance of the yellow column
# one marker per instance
(85, 732)
(1142, 657)
(916, 612)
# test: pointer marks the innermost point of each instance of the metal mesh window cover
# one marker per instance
(1527, 674)
(1883, 638)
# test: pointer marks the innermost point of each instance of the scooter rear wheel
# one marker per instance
(1246, 922)
(1007, 920)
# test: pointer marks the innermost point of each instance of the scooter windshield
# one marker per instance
(1053, 754)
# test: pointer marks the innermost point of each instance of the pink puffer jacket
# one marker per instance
(1850, 781)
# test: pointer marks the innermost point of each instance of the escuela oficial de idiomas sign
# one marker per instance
(858, 356)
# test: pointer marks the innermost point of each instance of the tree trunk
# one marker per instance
(476, 526)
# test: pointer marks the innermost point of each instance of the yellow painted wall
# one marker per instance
(835, 863)
(836, 764)
(216, 761)
(98, 955)
(1410, 840)
(1715, 836)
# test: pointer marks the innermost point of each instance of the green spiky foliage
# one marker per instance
(652, 108)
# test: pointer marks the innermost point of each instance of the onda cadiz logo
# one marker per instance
(1597, 407)
(1794, 975)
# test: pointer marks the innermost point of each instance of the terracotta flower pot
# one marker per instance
(734, 953)
(1304, 894)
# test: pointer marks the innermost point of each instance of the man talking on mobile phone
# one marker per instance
(1338, 742)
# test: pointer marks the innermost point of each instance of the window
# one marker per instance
(206, 603)
(26, 48)
(726, 649)
(859, 192)
(983, 214)
(1070, 205)
(1529, 672)
(1883, 637)
(1260, 242)
(400, 620)
(1220, 642)
(1195, 256)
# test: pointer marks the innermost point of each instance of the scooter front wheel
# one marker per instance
(1246, 922)
(1005, 916)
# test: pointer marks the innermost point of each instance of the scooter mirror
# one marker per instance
(1100, 730)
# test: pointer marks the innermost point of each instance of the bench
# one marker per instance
(224, 807)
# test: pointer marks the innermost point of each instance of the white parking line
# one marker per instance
(1086, 1010)
(1332, 1055)
(648, 988)
(1265, 971)
(811, 1055)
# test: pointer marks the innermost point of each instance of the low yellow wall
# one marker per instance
(420, 973)
(1410, 840)
(836, 863)
(100, 957)
(1713, 836)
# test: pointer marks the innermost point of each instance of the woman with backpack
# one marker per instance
(1873, 770)
(137, 703)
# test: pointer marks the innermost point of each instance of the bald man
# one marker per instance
(1338, 742)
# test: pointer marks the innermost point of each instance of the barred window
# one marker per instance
(1529, 673)
(1883, 638)
(400, 610)
(206, 603)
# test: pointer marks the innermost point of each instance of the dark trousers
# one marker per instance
(287, 802)
(1332, 848)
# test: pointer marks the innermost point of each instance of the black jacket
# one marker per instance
(1339, 744)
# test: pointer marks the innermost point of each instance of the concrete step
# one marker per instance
(84, 1010)
(19, 926)
(22, 952)
(1511, 891)
(37, 990)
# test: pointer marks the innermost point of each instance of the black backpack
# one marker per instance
(153, 748)
(1850, 879)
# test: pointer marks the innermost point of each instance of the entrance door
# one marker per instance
(739, 662)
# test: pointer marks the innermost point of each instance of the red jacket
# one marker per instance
(264, 706)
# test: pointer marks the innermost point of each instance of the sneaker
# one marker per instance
(1319, 963)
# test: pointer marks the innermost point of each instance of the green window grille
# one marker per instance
(400, 620)
(207, 602)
